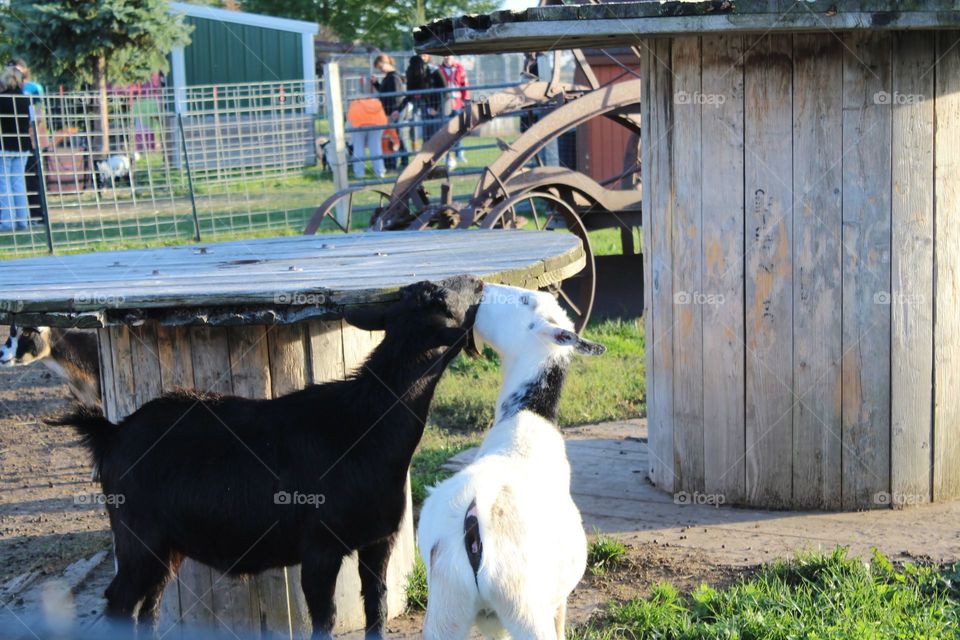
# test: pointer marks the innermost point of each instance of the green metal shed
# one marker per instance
(229, 47)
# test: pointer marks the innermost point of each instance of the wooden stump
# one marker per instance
(804, 253)
(142, 362)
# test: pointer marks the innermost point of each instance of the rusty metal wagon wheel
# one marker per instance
(348, 198)
(542, 211)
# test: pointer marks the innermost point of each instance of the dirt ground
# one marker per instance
(47, 521)
(50, 527)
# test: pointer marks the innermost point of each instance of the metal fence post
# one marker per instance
(337, 156)
(42, 188)
(186, 165)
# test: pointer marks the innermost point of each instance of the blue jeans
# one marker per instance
(13, 191)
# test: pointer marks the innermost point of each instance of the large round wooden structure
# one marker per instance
(801, 185)
(259, 319)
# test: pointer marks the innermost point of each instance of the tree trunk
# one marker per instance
(100, 80)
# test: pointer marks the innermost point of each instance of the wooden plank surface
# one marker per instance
(107, 377)
(688, 301)
(125, 385)
(646, 66)
(249, 361)
(282, 272)
(866, 270)
(176, 359)
(659, 217)
(911, 261)
(326, 350)
(722, 193)
(817, 175)
(946, 445)
(768, 172)
(144, 353)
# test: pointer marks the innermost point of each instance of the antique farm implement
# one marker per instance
(517, 190)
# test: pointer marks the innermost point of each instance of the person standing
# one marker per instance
(416, 81)
(38, 132)
(367, 112)
(393, 106)
(15, 147)
(454, 75)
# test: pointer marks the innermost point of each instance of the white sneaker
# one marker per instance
(451, 163)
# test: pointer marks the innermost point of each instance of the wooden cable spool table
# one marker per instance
(801, 239)
(259, 319)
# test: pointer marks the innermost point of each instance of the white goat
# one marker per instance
(502, 540)
(117, 168)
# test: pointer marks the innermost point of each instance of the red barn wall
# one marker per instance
(602, 143)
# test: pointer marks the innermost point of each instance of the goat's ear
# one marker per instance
(567, 338)
(368, 318)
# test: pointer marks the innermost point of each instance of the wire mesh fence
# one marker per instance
(156, 164)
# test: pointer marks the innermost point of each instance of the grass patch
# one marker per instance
(605, 553)
(417, 586)
(425, 469)
(813, 596)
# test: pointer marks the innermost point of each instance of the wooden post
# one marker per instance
(337, 148)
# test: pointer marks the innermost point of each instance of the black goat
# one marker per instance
(216, 478)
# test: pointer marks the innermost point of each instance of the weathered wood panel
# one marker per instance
(144, 351)
(108, 378)
(249, 361)
(176, 359)
(768, 73)
(866, 269)
(326, 350)
(685, 171)
(646, 162)
(817, 180)
(946, 445)
(911, 259)
(288, 371)
(124, 383)
(723, 207)
(659, 218)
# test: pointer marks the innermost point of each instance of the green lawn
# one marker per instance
(813, 597)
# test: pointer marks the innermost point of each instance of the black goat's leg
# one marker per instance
(149, 613)
(373, 580)
(318, 579)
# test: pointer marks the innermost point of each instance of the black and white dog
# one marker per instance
(73, 354)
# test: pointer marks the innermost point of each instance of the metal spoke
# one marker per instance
(566, 298)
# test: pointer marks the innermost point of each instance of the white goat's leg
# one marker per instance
(443, 624)
(541, 628)
(561, 621)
